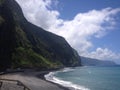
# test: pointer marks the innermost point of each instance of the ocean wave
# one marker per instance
(66, 70)
(68, 84)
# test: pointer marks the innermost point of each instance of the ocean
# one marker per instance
(87, 78)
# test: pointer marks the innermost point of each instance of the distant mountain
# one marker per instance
(23, 44)
(95, 62)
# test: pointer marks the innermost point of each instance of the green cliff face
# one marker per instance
(24, 45)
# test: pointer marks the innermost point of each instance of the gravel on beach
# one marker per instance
(30, 80)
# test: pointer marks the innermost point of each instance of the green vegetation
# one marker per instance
(21, 39)
(28, 58)
(1, 1)
(24, 56)
(25, 45)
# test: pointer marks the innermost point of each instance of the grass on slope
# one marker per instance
(28, 58)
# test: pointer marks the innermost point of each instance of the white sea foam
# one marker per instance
(70, 85)
(65, 70)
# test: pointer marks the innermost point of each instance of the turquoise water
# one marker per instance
(91, 78)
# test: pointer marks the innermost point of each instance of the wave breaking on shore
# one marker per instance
(52, 78)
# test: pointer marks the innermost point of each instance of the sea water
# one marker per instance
(87, 78)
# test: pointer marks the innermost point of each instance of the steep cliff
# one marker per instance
(23, 44)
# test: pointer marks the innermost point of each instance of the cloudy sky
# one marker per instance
(91, 27)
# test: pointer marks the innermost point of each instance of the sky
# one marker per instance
(90, 26)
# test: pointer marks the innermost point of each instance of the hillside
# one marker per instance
(95, 62)
(24, 45)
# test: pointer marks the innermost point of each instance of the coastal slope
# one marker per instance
(95, 62)
(24, 45)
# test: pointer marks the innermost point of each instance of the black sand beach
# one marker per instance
(33, 79)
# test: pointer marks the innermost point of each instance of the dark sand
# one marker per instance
(33, 80)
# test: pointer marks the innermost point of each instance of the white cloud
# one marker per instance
(79, 31)
(104, 54)
(38, 12)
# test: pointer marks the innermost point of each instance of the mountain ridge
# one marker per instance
(96, 62)
(23, 44)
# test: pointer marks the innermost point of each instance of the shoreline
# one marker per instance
(43, 78)
(35, 77)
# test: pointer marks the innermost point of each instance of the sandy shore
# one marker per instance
(33, 79)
